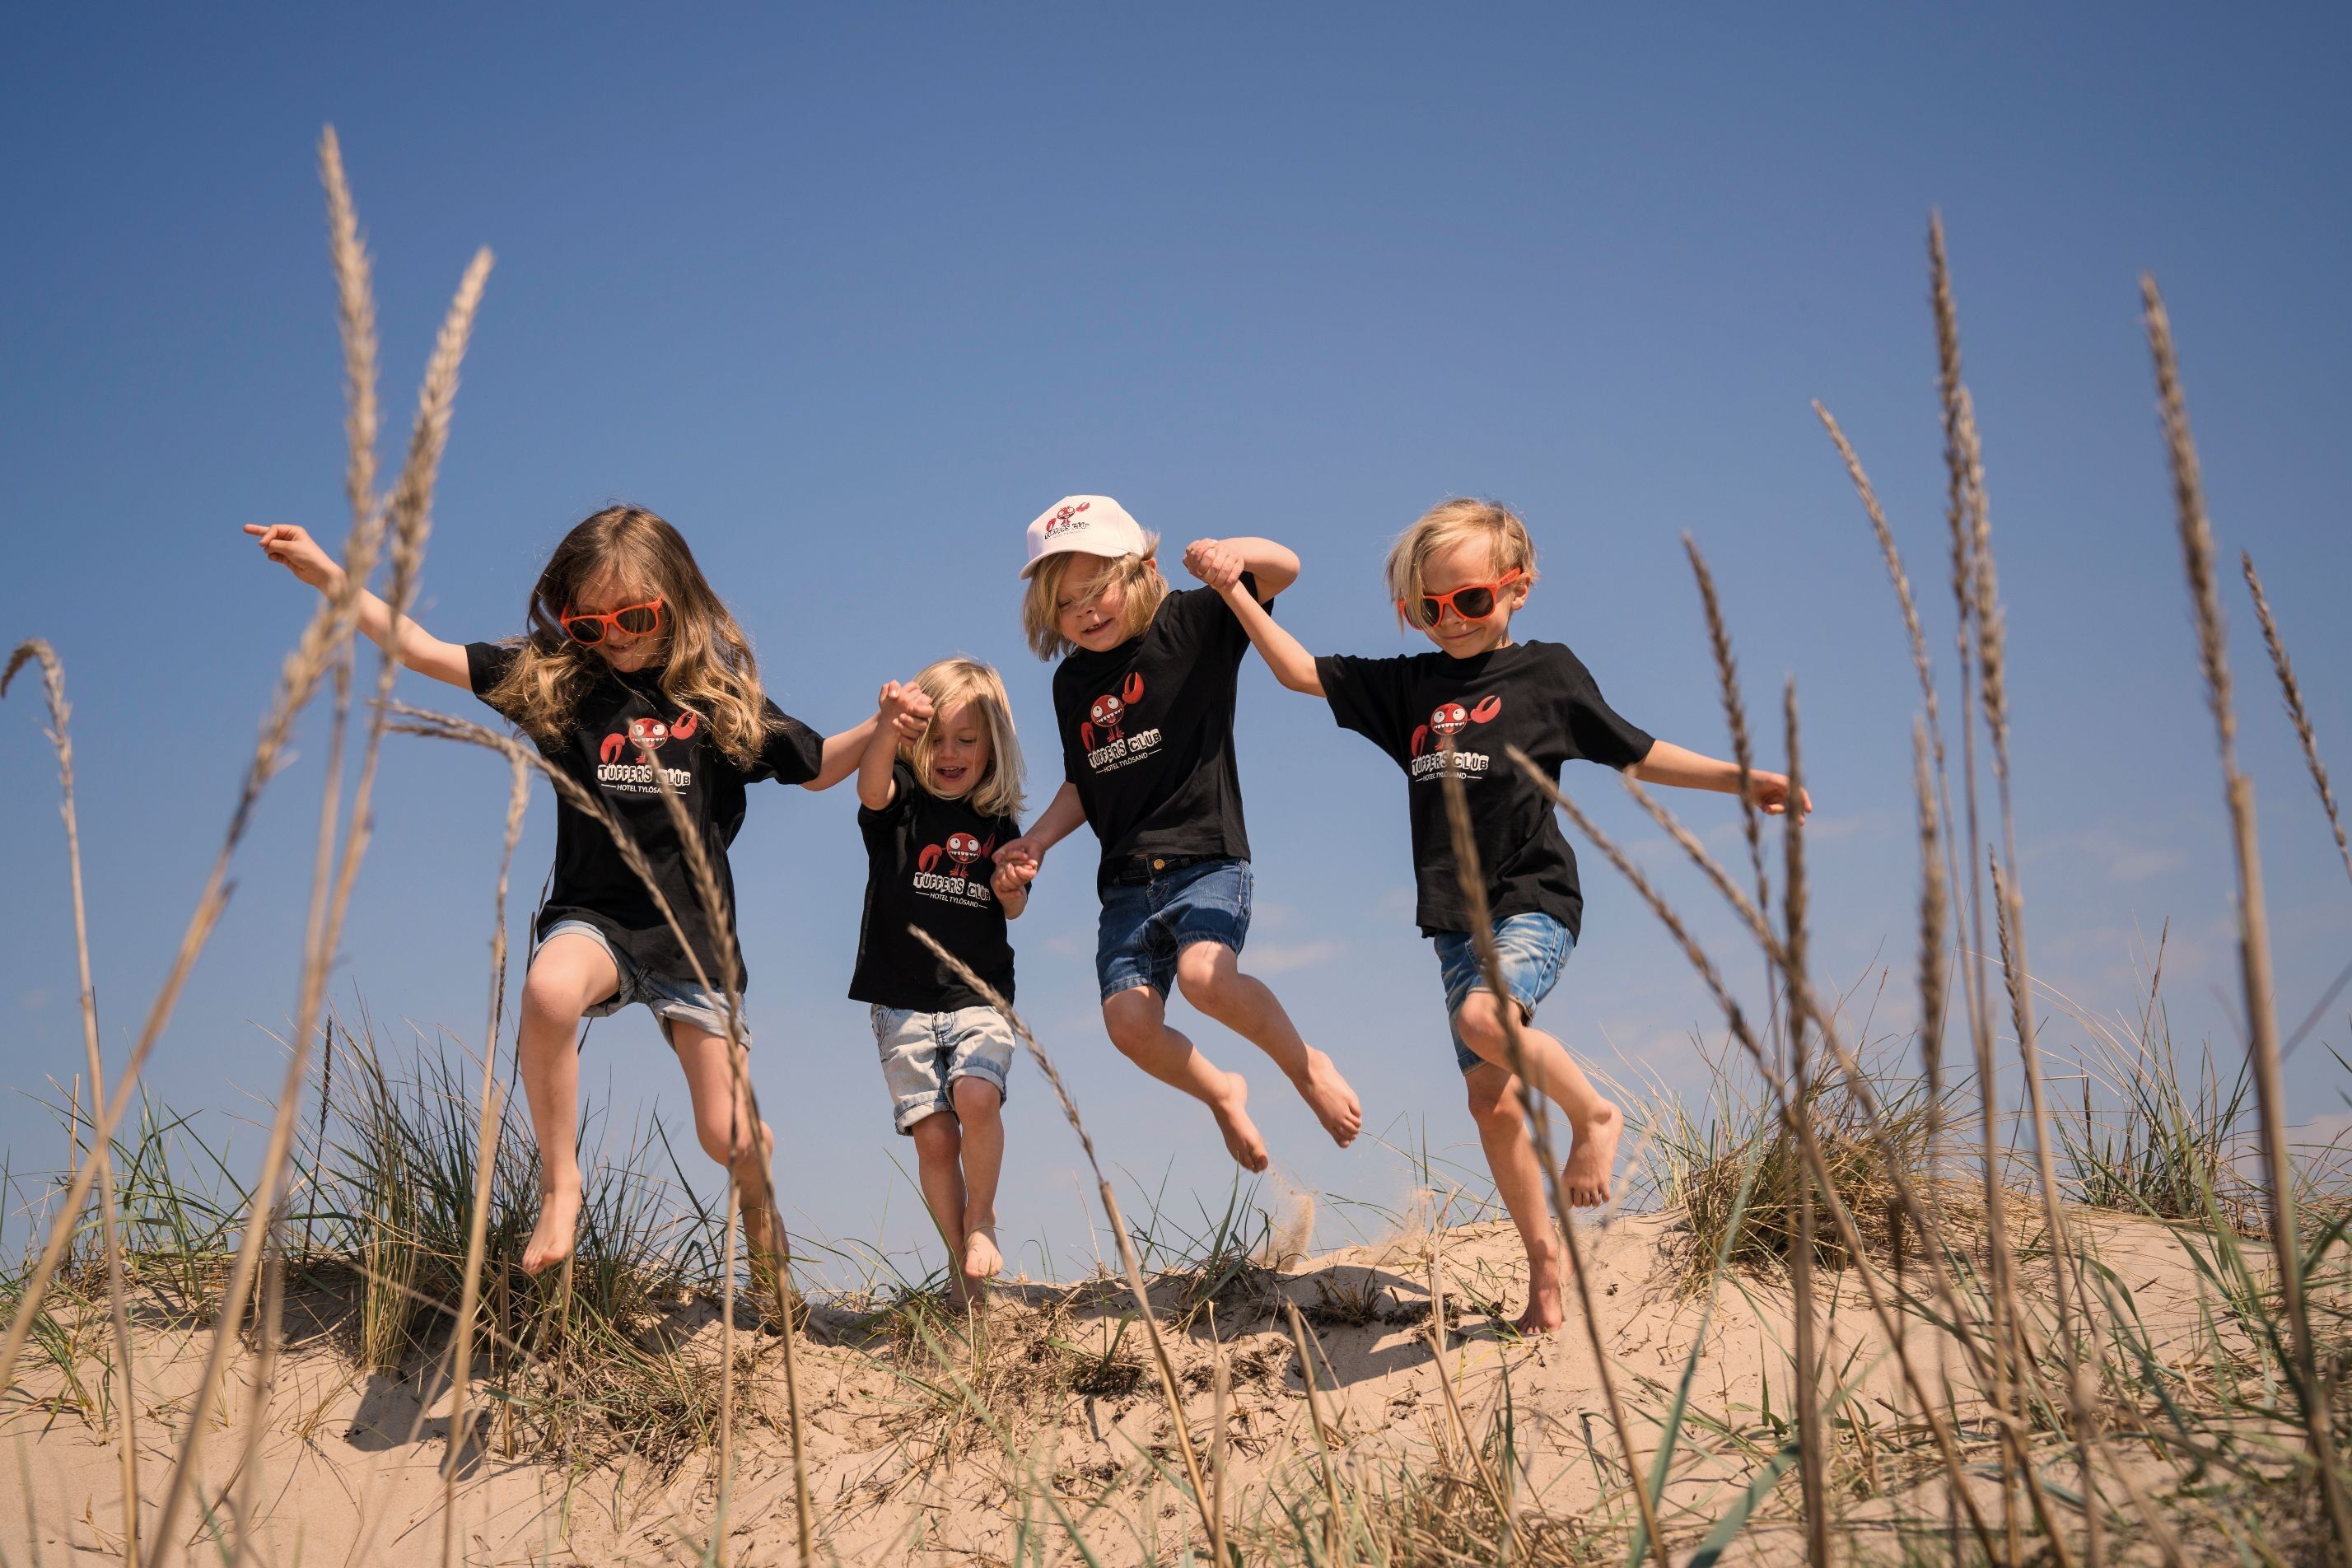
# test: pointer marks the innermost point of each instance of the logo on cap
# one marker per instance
(1065, 518)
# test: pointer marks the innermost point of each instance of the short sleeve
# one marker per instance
(1367, 696)
(902, 793)
(487, 664)
(1597, 733)
(792, 752)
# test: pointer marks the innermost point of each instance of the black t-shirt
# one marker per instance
(624, 726)
(1148, 732)
(1536, 696)
(928, 862)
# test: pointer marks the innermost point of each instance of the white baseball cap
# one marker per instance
(1094, 524)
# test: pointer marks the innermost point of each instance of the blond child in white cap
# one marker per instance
(1144, 702)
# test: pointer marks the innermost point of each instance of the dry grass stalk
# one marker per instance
(410, 511)
(1482, 934)
(2295, 708)
(461, 1350)
(1332, 1524)
(1812, 1463)
(1802, 1130)
(1962, 470)
(1220, 1442)
(1735, 711)
(53, 687)
(1128, 1260)
(1933, 948)
(1991, 623)
(2196, 554)
(355, 317)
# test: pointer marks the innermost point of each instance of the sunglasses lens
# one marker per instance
(584, 630)
(637, 619)
(1425, 612)
(1475, 604)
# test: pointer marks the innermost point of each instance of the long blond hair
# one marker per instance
(1139, 575)
(708, 666)
(949, 684)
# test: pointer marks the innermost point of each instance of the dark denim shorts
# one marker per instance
(1532, 948)
(1150, 915)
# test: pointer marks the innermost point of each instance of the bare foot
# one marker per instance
(1241, 1141)
(1545, 1311)
(1334, 1103)
(552, 1237)
(1592, 1158)
(981, 1261)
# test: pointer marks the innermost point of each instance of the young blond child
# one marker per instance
(939, 788)
(631, 663)
(1458, 575)
(1144, 699)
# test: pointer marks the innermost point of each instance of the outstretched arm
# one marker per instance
(841, 756)
(1219, 564)
(1668, 764)
(293, 548)
(1272, 568)
(899, 713)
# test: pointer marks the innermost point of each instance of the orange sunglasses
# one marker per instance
(1472, 601)
(635, 619)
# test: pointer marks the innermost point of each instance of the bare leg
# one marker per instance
(938, 1168)
(1138, 1022)
(1495, 1105)
(569, 975)
(724, 1126)
(1209, 976)
(1596, 1122)
(978, 1109)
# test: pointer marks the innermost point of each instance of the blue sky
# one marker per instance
(850, 295)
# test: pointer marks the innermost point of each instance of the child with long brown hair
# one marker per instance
(939, 789)
(631, 664)
(1144, 697)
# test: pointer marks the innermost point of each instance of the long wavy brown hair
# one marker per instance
(707, 667)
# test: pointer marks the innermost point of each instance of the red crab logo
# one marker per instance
(1107, 720)
(1063, 516)
(647, 735)
(1450, 719)
(962, 852)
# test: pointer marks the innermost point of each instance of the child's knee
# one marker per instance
(1132, 1018)
(1206, 975)
(936, 1137)
(1479, 1022)
(976, 1098)
(728, 1143)
(1493, 1098)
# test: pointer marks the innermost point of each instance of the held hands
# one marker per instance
(292, 547)
(1011, 878)
(1215, 562)
(1022, 856)
(904, 710)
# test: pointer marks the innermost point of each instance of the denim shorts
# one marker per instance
(924, 1052)
(1531, 949)
(666, 995)
(1160, 909)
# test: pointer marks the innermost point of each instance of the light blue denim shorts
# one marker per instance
(924, 1052)
(1152, 910)
(1531, 948)
(665, 995)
